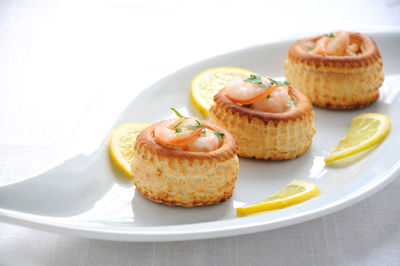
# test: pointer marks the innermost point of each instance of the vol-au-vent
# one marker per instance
(269, 119)
(338, 70)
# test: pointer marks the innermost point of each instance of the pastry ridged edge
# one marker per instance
(254, 130)
(337, 82)
(184, 178)
(337, 63)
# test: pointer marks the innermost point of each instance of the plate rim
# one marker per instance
(53, 224)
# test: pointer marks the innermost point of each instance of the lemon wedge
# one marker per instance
(121, 144)
(295, 192)
(206, 84)
(366, 130)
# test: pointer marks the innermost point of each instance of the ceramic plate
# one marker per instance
(86, 196)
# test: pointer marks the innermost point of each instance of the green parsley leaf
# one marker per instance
(330, 35)
(268, 96)
(177, 130)
(247, 105)
(219, 134)
(254, 79)
(177, 113)
(275, 82)
(192, 127)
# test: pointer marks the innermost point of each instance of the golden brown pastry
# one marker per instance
(263, 128)
(188, 172)
(339, 70)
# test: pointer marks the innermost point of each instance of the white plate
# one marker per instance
(87, 196)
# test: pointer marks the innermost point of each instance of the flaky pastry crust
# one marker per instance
(338, 82)
(184, 178)
(263, 135)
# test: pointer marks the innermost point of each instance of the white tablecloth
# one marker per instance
(57, 57)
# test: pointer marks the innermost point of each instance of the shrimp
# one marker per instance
(333, 45)
(186, 134)
(278, 101)
(244, 92)
(206, 142)
(176, 132)
(320, 46)
(338, 44)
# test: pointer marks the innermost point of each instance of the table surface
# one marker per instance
(57, 57)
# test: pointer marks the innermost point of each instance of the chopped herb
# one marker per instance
(177, 113)
(177, 130)
(293, 103)
(194, 127)
(247, 105)
(268, 96)
(254, 79)
(219, 134)
(257, 80)
(275, 82)
(330, 35)
(177, 125)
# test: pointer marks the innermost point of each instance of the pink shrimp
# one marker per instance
(244, 92)
(333, 45)
(175, 132)
(278, 101)
(338, 44)
(206, 142)
(320, 46)
(186, 134)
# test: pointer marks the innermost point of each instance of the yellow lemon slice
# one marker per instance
(297, 191)
(121, 144)
(366, 130)
(206, 84)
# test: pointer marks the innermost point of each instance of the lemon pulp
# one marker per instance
(295, 192)
(206, 84)
(122, 140)
(366, 130)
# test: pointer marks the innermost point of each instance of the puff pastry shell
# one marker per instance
(184, 178)
(338, 82)
(263, 135)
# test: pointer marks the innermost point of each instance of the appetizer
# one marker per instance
(184, 161)
(339, 70)
(269, 119)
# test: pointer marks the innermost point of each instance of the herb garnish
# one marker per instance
(275, 82)
(330, 35)
(194, 127)
(268, 96)
(247, 105)
(219, 134)
(177, 130)
(177, 113)
(190, 127)
(255, 79)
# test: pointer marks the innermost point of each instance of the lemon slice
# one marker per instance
(366, 130)
(297, 191)
(206, 84)
(121, 144)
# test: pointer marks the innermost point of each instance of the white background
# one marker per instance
(56, 58)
